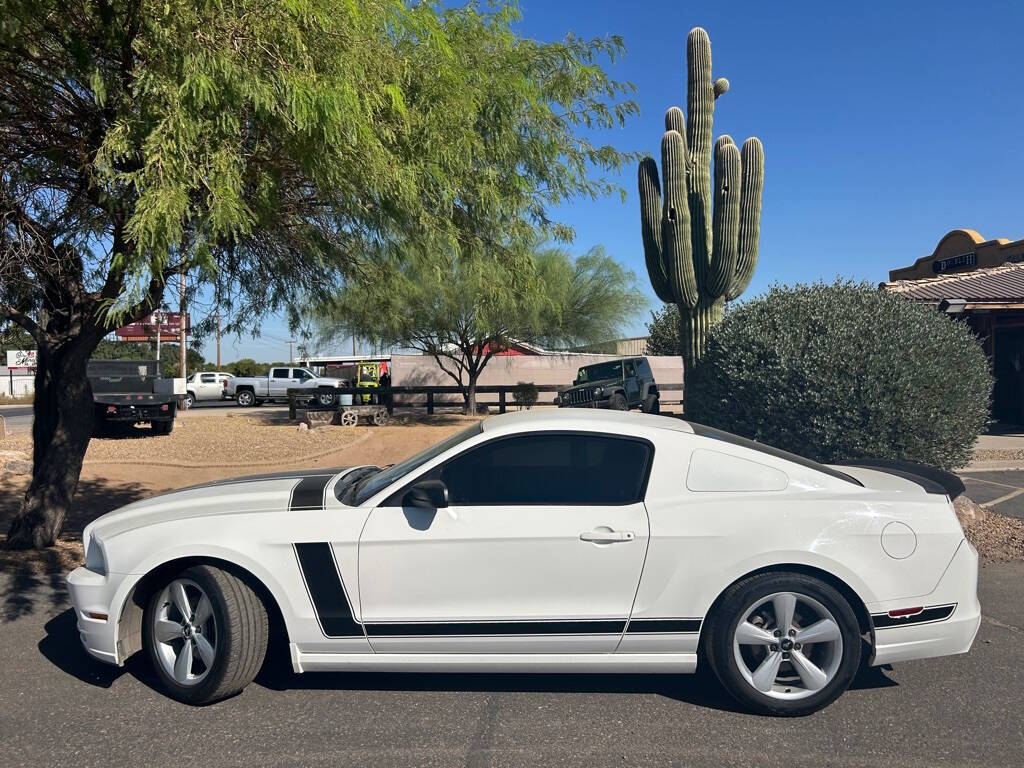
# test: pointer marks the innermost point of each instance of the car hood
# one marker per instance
(273, 492)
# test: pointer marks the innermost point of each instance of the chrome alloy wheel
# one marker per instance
(185, 631)
(788, 646)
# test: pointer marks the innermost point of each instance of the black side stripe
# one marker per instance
(495, 628)
(308, 493)
(927, 616)
(326, 590)
(330, 602)
(663, 626)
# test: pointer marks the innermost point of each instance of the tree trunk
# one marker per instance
(61, 430)
(694, 325)
(470, 395)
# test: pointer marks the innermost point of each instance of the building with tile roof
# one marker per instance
(981, 281)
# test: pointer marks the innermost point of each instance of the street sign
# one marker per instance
(21, 358)
(145, 329)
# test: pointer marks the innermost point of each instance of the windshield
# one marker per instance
(610, 370)
(377, 482)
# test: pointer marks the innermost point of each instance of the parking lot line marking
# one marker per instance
(1001, 499)
(990, 482)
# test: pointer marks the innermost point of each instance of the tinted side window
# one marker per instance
(554, 468)
(645, 369)
(280, 373)
(630, 370)
(209, 378)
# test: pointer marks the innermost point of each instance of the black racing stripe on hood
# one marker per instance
(308, 493)
(292, 474)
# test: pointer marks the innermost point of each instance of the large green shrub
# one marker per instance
(844, 371)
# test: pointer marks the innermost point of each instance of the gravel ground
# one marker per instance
(210, 439)
(996, 537)
(998, 454)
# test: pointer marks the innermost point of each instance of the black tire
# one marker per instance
(723, 623)
(326, 398)
(618, 402)
(189, 400)
(242, 636)
(162, 427)
(651, 404)
(245, 398)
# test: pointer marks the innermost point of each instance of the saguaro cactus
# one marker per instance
(700, 254)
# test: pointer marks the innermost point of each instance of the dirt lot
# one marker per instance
(204, 446)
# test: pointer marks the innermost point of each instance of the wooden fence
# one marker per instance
(389, 396)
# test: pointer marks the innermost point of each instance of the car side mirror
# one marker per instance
(427, 494)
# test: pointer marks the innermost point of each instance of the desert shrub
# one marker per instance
(844, 371)
(663, 332)
(525, 394)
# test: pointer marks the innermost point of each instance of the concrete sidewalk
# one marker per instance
(994, 452)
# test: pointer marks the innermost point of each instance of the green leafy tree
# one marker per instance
(246, 367)
(663, 332)
(266, 151)
(845, 371)
(467, 313)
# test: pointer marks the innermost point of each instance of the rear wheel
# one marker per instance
(784, 643)
(162, 427)
(617, 402)
(245, 398)
(651, 404)
(205, 633)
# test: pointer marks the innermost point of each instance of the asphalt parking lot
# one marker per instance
(1000, 490)
(60, 708)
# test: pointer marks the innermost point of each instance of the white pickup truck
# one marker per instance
(256, 390)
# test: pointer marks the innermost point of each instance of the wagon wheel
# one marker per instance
(349, 418)
(380, 417)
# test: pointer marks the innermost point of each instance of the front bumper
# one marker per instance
(926, 639)
(96, 594)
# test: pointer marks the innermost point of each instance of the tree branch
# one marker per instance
(24, 321)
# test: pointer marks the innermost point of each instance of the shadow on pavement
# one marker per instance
(701, 689)
(35, 578)
(62, 648)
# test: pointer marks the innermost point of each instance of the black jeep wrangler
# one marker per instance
(617, 384)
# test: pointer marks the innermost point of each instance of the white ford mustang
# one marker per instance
(562, 540)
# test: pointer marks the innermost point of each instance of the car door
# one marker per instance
(207, 388)
(279, 381)
(539, 551)
(632, 383)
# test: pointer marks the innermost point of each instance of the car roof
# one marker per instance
(581, 418)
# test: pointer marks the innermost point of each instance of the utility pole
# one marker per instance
(159, 317)
(218, 341)
(181, 324)
(291, 360)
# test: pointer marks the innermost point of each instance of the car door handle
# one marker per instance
(607, 537)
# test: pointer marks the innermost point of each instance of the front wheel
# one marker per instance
(326, 398)
(205, 632)
(784, 643)
(189, 400)
(617, 402)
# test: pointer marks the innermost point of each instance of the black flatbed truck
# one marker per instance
(125, 392)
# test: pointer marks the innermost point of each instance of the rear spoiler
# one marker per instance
(931, 479)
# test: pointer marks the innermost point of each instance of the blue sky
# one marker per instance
(884, 125)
